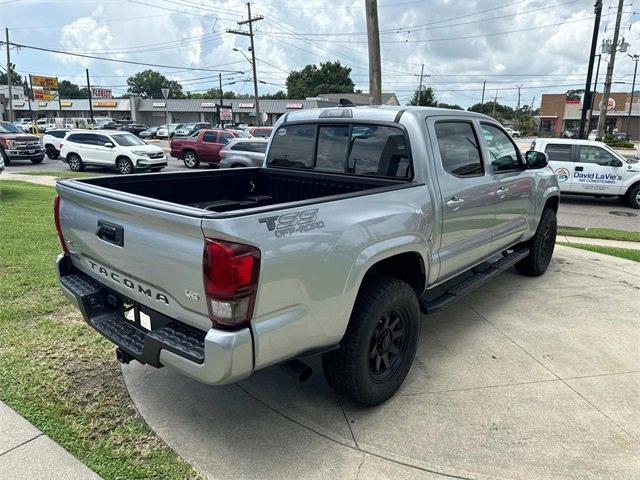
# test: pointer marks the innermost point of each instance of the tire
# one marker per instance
(37, 161)
(124, 166)
(633, 196)
(52, 152)
(191, 159)
(5, 158)
(386, 317)
(75, 162)
(540, 246)
(157, 169)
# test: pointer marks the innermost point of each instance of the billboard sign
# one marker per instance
(44, 94)
(44, 82)
(100, 92)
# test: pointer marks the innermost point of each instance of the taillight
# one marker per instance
(61, 146)
(230, 282)
(56, 218)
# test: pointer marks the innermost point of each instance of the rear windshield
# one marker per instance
(360, 149)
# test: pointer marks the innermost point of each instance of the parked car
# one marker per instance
(121, 151)
(149, 132)
(586, 167)
(162, 131)
(190, 128)
(1, 163)
(261, 132)
(24, 124)
(621, 136)
(570, 133)
(17, 145)
(593, 134)
(111, 125)
(513, 132)
(350, 230)
(135, 128)
(202, 146)
(52, 141)
(243, 152)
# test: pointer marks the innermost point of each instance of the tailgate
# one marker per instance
(152, 256)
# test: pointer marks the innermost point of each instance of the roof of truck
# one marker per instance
(382, 112)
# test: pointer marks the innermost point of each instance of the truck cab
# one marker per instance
(588, 167)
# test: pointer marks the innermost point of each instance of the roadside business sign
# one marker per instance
(44, 82)
(101, 92)
(104, 104)
(225, 113)
(611, 104)
(246, 105)
(44, 94)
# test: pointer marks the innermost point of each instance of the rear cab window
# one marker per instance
(346, 148)
(558, 152)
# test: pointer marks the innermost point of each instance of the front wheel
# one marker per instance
(37, 160)
(75, 162)
(379, 345)
(633, 196)
(52, 152)
(124, 166)
(191, 159)
(540, 246)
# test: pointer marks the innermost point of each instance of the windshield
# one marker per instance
(615, 154)
(8, 127)
(127, 140)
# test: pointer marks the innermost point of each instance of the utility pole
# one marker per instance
(484, 84)
(420, 87)
(594, 91)
(587, 101)
(533, 100)
(633, 87)
(495, 100)
(250, 21)
(607, 82)
(220, 121)
(6, 31)
(373, 37)
(518, 109)
(90, 97)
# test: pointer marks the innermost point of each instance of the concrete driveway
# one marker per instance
(526, 378)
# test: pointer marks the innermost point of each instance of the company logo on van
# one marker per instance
(563, 174)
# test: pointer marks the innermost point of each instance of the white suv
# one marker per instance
(53, 141)
(112, 149)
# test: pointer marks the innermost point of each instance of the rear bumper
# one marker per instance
(215, 357)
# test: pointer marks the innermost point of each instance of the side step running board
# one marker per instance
(469, 284)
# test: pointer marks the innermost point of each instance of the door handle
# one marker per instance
(579, 169)
(502, 192)
(455, 203)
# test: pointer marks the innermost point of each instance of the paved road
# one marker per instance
(525, 378)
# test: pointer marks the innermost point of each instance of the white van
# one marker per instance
(591, 168)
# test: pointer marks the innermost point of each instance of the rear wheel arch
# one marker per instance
(407, 266)
(553, 203)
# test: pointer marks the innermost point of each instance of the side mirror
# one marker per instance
(536, 159)
(108, 145)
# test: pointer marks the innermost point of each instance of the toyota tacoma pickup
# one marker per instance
(359, 220)
(17, 145)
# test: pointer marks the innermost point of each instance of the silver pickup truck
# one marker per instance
(359, 220)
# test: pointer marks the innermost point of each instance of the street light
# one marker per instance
(635, 58)
(244, 55)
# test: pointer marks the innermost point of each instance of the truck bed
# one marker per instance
(222, 191)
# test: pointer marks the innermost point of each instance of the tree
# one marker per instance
(16, 79)
(149, 84)
(279, 95)
(67, 89)
(450, 106)
(424, 98)
(312, 81)
(501, 111)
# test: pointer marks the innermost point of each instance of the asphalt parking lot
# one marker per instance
(524, 378)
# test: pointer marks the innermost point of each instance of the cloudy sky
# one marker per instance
(542, 46)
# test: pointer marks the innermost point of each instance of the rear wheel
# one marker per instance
(633, 196)
(379, 345)
(540, 246)
(124, 165)
(75, 162)
(52, 152)
(191, 159)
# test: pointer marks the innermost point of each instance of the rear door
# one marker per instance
(597, 171)
(209, 148)
(561, 160)
(467, 194)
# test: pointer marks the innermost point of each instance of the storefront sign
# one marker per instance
(100, 92)
(611, 105)
(246, 105)
(104, 104)
(295, 105)
(18, 104)
(44, 94)
(159, 104)
(208, 105)
(42, 104)
(44, 82)
(226, 114)
(66, 103)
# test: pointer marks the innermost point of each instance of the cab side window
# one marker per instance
(459, 151)
(557, 152)
(596, 155)
(504, 154)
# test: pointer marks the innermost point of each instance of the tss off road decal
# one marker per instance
(293, 222)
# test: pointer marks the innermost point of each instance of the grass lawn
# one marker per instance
(627, 253)
(602, 233)
(54, 369)
(59, 174)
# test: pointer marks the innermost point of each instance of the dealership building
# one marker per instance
(560, 112)
(154, 112)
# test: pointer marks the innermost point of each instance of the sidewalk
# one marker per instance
(37, 179)
(600, 242)
(26, 453)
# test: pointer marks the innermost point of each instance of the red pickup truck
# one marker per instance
(202, 146)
